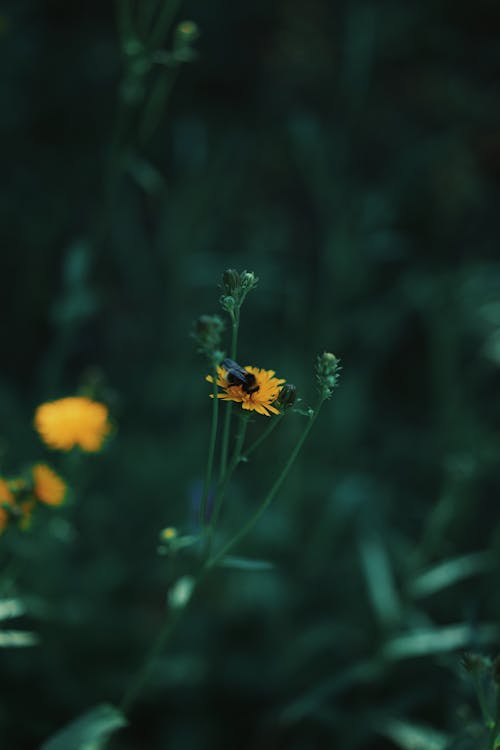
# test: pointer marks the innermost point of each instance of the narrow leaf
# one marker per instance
(89, 731)
(245, 563)
(449, 572)
(424, 641)
(413, 736)
(17, 638)
(379, 578)
(10, 608)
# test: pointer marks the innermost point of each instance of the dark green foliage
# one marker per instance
(348, 154)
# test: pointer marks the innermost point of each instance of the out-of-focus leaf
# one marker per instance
(426, 641)
(379, 578)
(17, 638)
(10, 608)
(413, 736)
(245, 563)
(89, 731)
(448, 572)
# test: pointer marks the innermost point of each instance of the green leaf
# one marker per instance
(412, 736)
(379, 578)
(451, 571)
(424, 641)
(17, 639)
(10, 608)
(245, 563)
(89, 731)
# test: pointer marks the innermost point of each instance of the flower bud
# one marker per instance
(231, 281)
(207, 333)
(248, 281)
(228, 303)
(327, 373)
(287, 396)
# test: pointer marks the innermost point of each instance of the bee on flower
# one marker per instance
(252, 387)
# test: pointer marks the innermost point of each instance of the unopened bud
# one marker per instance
(207, 333)
(287, 396)
(327, 373)
(231, 281)
(248, 280)
(228, 303)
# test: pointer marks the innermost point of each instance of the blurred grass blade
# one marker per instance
(17, 639)
(89, 731)
(10, 608)
(412, 736)
(308, 703)
(379, 579)
(245, 563)
(451, 571)
(437, 640)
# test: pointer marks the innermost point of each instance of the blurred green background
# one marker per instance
(349, 154)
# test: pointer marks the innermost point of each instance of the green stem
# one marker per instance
(235, 320)
(211, 451)
(137, 684)
(270, 495)
(146, 12)
(272, 426)
(235, 460)
(162, 25)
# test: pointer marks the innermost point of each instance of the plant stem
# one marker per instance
(235, 460)
(235, 320)
(137, 684)
(211, 451)
(163, 23)
(270, 495)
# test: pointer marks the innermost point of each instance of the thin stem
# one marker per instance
(270, 495)
(162, 25)
(137, 684)
(235, 320)
(146, 12)
(235, 460)
(272, 426)
(211, 451)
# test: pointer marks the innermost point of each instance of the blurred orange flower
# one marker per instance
(72, 421)
(6, 498)
(49, 488)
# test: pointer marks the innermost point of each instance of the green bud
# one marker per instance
(231, 281)
(327, 373)
(228, 303)
(248, 281)
(287, 396)
(207, 334)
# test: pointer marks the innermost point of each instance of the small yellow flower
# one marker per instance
(72, 421)
(49, 488)
(168, 534)
(6, 498)
(261, 400)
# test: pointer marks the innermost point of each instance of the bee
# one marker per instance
(237, 375)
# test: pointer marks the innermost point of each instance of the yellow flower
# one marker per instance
(260, 400)
(169, 533)
(6, 498)
(49, 488)
(73, 421)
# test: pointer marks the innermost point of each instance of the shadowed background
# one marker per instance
(349, 154)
